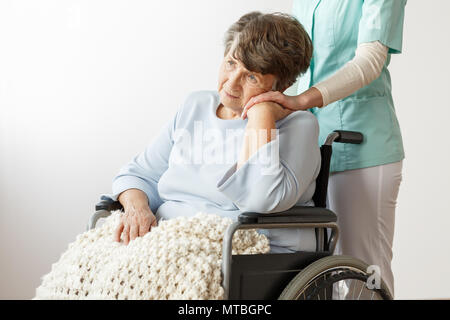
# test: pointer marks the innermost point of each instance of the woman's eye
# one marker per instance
(230, 62)
(252, 78)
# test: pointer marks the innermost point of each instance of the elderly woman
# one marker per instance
(207, 158)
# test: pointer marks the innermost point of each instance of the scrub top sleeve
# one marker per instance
(145, 169)
(275, 177)
(382, 20)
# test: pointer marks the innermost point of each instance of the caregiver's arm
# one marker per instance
(365, 67)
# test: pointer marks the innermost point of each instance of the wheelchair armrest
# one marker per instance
(103, 209)
(108, 205)
(297, 214)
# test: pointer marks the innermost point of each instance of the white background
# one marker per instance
(86, 85)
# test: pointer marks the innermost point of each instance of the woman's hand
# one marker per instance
(137, 218)
(287, 102)
(134, 223)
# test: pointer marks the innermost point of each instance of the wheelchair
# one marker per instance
(301, 275)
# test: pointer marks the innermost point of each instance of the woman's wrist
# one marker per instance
(134, 199)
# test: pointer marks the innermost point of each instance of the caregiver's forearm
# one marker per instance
(364, 68)
(258, 131)
(310, 98)
(134, 199)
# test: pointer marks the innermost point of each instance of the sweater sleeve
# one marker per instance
(275, 177)
(365, 67)
(145, 169)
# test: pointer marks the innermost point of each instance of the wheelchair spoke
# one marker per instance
(318, 295)
(344, 285)
(353, 294)
(362, 287)
(339, 290)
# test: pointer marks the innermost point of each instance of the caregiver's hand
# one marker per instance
(268, 108)
(137, 218)
(288, 102)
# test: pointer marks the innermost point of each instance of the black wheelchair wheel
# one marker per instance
(336, 278)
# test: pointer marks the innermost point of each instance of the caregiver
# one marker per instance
(353, 40)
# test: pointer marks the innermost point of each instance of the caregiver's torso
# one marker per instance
(336, 27)
(203, 150)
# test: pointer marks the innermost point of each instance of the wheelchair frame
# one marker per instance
(263, 276)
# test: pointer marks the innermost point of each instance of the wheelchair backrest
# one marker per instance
(353, 137)
(320, 195)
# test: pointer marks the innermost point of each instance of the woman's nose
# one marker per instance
(234, 82)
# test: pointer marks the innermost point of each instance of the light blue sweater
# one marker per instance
(181, 175)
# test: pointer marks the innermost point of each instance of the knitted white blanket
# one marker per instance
(179, 259)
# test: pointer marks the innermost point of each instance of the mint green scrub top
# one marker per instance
(336, 28)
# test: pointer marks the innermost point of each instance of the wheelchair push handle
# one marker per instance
(344, 136)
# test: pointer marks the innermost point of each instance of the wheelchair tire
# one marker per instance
(313, 280)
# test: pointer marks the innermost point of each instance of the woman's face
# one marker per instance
(237, 84)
